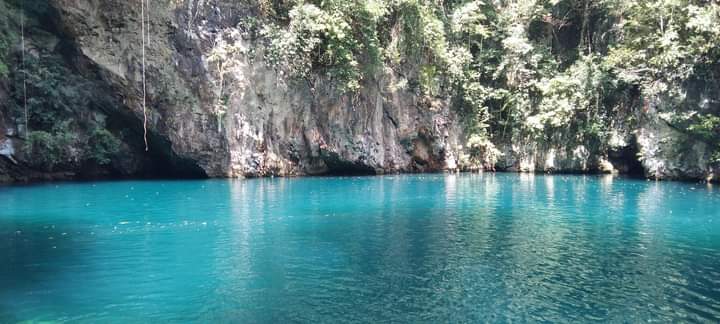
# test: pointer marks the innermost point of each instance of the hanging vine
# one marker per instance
(144, 91)
(24, 71)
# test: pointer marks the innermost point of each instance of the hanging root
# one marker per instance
(144, 99)
(24, 71)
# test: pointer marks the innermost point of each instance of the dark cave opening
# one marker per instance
(164, 163)
(626, 160)
(159, 161)
(101, 105)
(336, 166)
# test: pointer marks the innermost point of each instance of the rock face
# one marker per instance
(239, 117)
(268, 124)
(670, 154)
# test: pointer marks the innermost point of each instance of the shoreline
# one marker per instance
(45, 180)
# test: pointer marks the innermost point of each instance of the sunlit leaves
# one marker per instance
(514, 68)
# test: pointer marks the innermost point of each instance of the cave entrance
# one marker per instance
(336, 166)
(160, 162)
(627, 160)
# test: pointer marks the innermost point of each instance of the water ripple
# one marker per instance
(430, 248)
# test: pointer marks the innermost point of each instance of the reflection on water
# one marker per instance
(425, 248)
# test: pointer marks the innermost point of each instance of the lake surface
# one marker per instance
(425, 248)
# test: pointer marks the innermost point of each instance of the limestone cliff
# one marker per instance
(268, 125)
(238, 116)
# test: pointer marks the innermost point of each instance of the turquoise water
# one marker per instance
(426, 248)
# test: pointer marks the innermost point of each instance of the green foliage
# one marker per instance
(423, 28)
(4, 70)
(64, 146)
(54, 93)
(577, 92)
(482, 153)
(60, 103)
(666, 44)
(428, 79)
(567, 70)
(332, 37)
(670, 49)
(707, 127)
(102, 146)
(48, 150)
(6, 39)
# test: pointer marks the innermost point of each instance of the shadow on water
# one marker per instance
(5, 317)
(31, 253)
